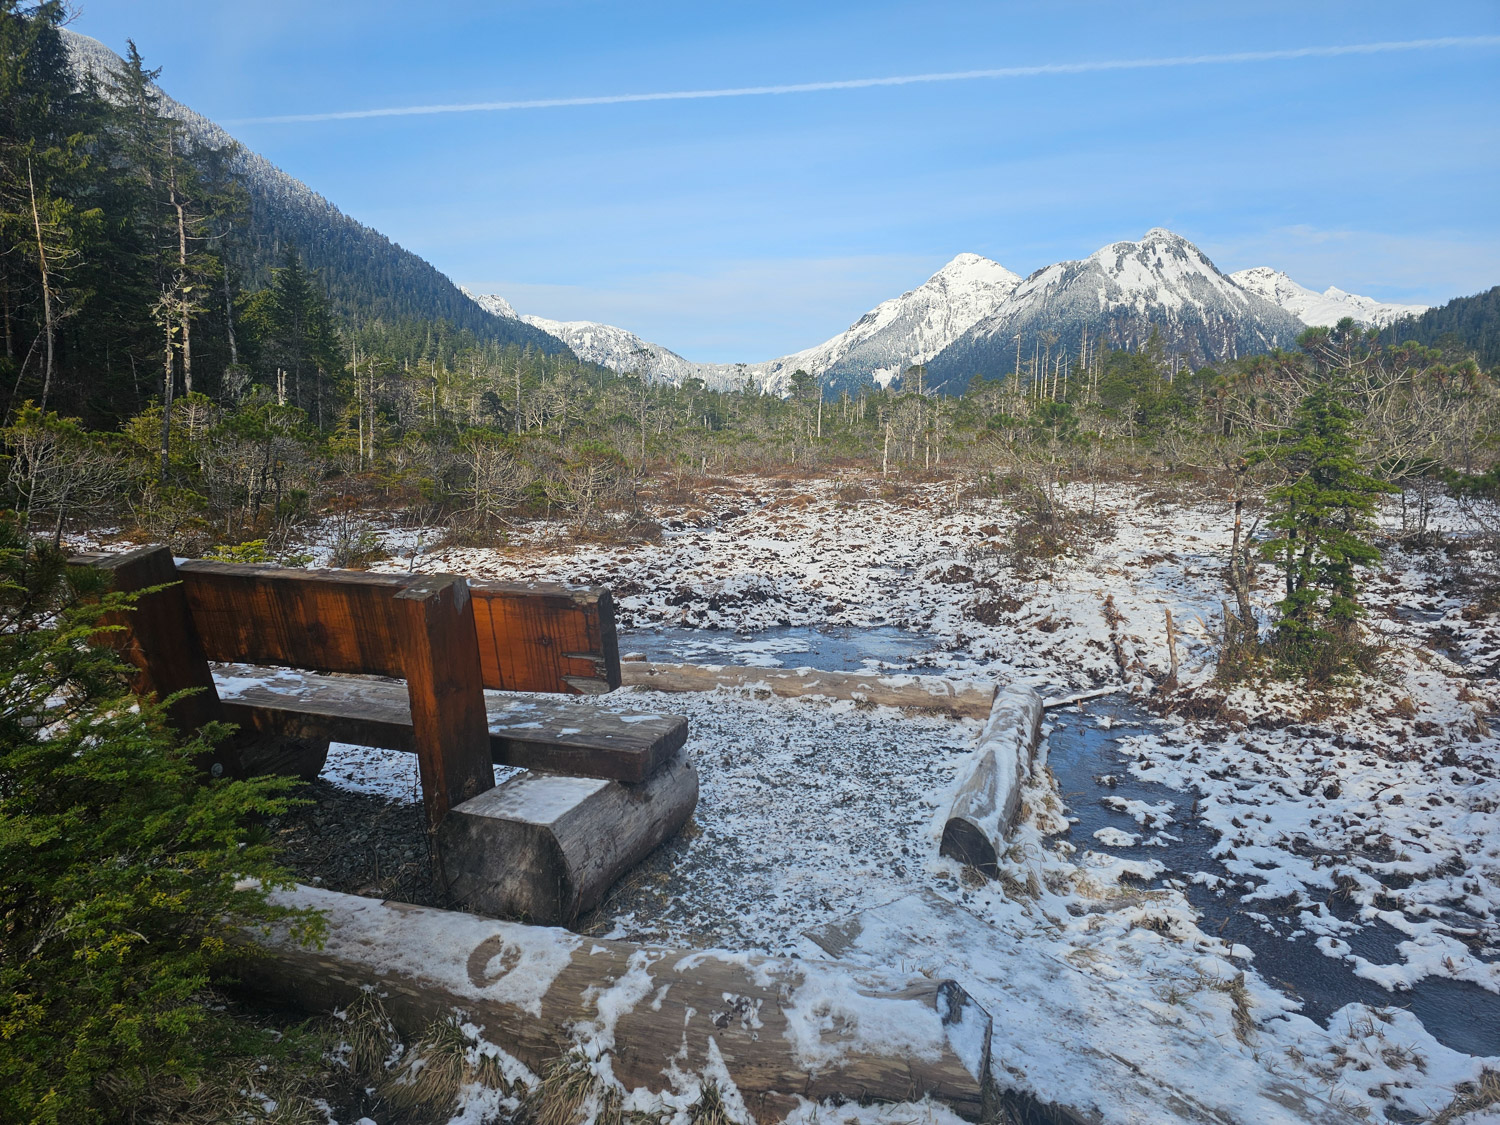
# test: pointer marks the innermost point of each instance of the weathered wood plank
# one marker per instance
(544, 848)
(781, 1027)
(329, 620)
(440, 659)
(546, 638)
(158, 639)
(564, 736)
(919, 693)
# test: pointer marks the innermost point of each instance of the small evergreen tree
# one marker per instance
(1321, 513)
(120, 872)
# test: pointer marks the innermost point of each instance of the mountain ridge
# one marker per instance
(966, 317)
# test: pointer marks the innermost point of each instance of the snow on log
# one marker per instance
(989, 793)
(1075, 1047)
(783, 1028)
(547, 847)
(921, 693)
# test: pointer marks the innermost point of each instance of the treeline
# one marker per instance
(150, 385)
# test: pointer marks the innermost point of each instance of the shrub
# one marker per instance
(122, 875)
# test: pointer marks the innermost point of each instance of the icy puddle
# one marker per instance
(792, 646)
(1119, 814)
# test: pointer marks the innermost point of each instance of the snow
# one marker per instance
(1320, 309)
(810, 811)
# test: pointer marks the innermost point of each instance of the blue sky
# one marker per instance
(747, 227)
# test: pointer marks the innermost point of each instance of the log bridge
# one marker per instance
(599, 791)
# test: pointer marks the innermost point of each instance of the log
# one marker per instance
(1072, 1046)
(545, 848)
(989, 794)
(534, 732)
(782, 1028)
(917, 693)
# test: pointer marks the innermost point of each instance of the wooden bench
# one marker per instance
(547, 850)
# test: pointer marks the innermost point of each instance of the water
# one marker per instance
(1463, 1016)
(793, 646)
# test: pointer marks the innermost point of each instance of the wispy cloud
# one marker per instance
(1038, 70)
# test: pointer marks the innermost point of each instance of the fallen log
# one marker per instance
(545, 847)
(989, 795)
(1070, 1046)
(782, 1028)
(919, 693)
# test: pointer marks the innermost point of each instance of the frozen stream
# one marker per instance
(1095, 778)
(1090, 771)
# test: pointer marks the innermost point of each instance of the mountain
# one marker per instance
(1120, 297)
(1316, 309)
(364, 272)
(1470, 322)
(897, 333)
(966, 319)
(607, 345)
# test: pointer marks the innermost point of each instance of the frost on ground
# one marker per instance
(1333, 813)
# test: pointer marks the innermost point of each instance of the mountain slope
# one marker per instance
(365, 273)
(1471, 322)
(1316, 309)
(1120, 296)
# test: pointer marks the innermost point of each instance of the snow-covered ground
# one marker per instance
(1329, 815)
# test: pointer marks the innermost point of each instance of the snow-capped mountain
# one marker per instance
(914, 327)
(908, 329)
(1323, 309)
(1117, 297)
(967, 317)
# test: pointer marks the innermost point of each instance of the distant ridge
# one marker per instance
(1320, 310)
(365, 273)
(975, 316)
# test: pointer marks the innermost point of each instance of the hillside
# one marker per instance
(1471, 322)
(364, 272)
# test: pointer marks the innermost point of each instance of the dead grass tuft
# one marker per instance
(1471, 1098)
(370, 1036)
(426, 1083)
(564, 1093)
(710, 1109)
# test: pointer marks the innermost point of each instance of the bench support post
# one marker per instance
(440, 658)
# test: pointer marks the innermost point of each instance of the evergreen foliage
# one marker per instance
(1464, 324)
(1320, 515)
(120, 872)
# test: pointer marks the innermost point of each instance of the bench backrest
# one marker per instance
(417, 627)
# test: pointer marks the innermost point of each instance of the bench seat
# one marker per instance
(558, 734)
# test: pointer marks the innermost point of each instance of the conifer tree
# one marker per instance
(1321, 514)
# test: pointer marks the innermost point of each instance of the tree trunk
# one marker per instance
(41, 253)
(166, 398)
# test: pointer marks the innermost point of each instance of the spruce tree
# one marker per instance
(1321, 514)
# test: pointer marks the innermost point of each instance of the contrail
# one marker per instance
(894, 80)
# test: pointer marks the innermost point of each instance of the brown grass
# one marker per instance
(1472, 1097)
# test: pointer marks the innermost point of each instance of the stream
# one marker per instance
(1089, 770)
